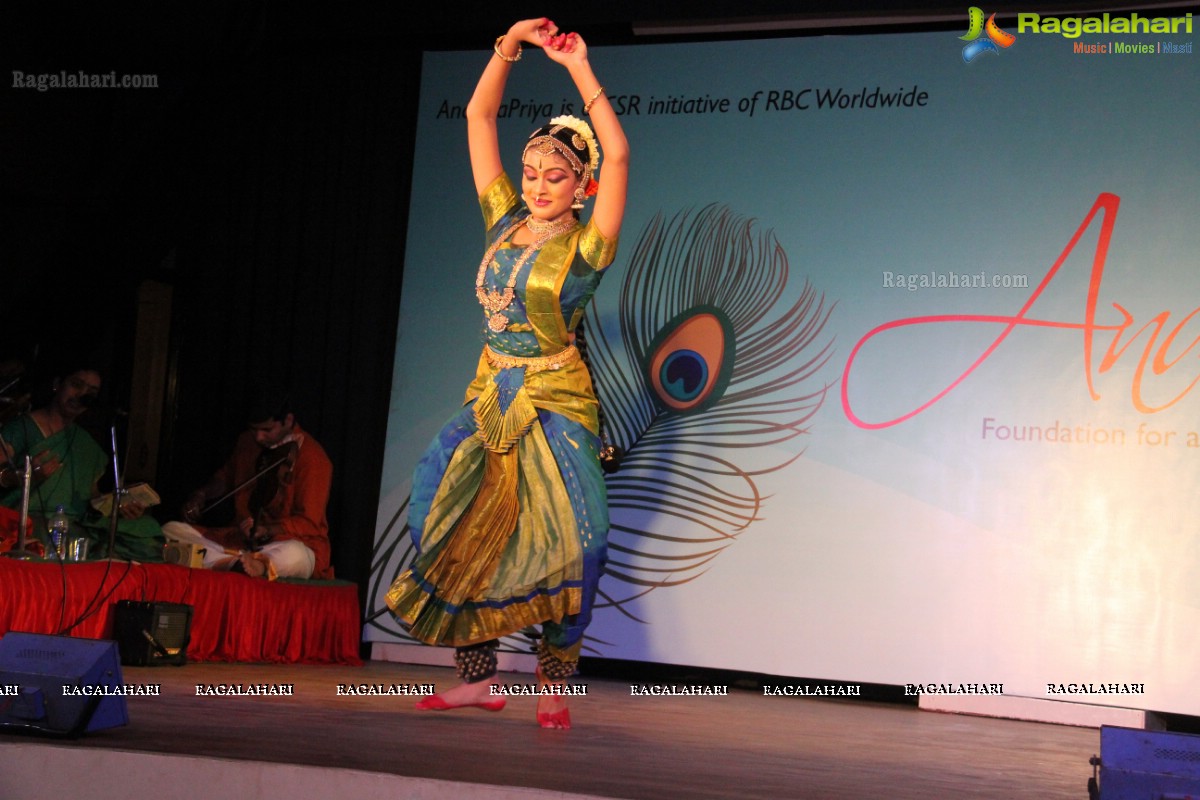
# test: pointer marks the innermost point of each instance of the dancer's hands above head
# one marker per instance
(567, 49)
(537, 32)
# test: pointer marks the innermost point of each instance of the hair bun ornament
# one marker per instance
(584, 132)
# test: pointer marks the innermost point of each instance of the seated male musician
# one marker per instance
(278, 480)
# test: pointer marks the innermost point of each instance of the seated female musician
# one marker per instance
(508, 508)
(67, 465)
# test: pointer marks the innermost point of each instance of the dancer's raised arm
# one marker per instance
(571, 51)
(482, 138)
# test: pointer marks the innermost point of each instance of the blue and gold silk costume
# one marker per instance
(508, 509)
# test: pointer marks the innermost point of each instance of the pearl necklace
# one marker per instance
(494, 302)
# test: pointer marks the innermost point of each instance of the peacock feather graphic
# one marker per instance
(707, 363)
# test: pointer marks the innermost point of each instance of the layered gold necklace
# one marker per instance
(494, 301)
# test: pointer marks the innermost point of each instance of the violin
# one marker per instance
(274, 472)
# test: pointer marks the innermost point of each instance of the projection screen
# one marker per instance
(930, 303)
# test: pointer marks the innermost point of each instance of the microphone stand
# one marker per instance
(19, 552)
(118, 490)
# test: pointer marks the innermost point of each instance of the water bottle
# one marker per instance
(60, 528)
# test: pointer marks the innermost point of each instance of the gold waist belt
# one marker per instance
(534, 364)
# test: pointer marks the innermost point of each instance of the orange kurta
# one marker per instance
(298, 507)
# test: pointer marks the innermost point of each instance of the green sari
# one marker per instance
(71, 486)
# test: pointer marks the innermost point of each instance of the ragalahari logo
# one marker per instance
(996, 38)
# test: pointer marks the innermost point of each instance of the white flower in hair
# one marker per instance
(584, 132)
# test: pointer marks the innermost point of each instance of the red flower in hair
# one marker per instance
(591, 189)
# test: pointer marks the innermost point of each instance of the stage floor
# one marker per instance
(742, 745)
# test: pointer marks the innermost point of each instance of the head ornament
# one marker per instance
(571, 138)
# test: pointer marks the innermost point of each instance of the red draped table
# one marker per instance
(235, 618)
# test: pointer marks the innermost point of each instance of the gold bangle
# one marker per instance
(587, 107)
(509, 59)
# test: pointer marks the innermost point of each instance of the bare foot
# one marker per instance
(465, 695)
(252, 566)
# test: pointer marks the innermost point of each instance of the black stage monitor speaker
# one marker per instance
(59, 685)
(152, 634)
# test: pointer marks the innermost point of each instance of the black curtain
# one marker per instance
(289, 264)
(265, 179)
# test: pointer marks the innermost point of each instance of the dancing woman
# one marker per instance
(508, 509)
